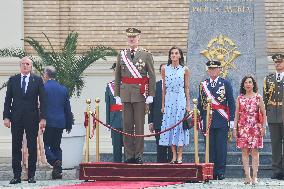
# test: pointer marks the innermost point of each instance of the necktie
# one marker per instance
(132, 53)
(24, 84)
(213, 84)
(278, 77)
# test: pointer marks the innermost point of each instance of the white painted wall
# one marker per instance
(11, 20)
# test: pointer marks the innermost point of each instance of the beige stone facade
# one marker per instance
(164, 23)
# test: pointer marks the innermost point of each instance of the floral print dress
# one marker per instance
(248, 130)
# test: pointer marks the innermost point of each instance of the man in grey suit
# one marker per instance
(273, 99)
(135, 84)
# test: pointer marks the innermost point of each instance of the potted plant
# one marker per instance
(69, 67)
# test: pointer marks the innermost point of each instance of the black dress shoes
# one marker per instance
(215, 177)
(278, 176)
(131, 160)
(15, 181)
(139, 160)
(31, 180)
(221, 177)
(56, 175)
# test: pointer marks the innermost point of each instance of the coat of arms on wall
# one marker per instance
(224, 50)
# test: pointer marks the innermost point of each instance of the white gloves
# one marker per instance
(117, 100)
(149, 100)
(231, 124)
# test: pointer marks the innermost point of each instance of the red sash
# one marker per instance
(115, 108)
(141, 81)
(223, 110)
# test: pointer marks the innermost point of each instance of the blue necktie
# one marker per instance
(24, 84)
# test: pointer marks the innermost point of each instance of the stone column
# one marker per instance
(242, 22)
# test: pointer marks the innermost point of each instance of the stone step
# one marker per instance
(150, 146)
(233, 158)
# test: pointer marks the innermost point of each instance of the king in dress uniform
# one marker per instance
(135, 84)
(114, 118)
(220, 91)
(273, 100)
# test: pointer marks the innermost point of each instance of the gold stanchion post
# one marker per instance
(87, 149)
(97, 130)
(208, 115)
(196, 157)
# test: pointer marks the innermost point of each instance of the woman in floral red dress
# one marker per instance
(249, 126)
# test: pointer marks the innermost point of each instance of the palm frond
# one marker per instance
(12, 52)
(69, 66)
(44, 55)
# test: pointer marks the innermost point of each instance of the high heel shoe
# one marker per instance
(173, 162)
(247, 181)
(179, 161)
(254, 181)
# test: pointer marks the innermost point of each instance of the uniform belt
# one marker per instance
(142, 81)
(115, 107)
(275, 103)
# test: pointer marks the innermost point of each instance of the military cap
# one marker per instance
(113, 66)
(213, 64)
(277, 57)
(132, 31)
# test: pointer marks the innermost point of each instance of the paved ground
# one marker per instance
(227, 183)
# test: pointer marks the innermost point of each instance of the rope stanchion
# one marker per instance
(97, 130)
(87, 125)
(208, 119)
(149, 135)
(195, 112)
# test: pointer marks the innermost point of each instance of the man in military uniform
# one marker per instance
(114, 119)
(220, 91)
(135, 83)
(273, 97)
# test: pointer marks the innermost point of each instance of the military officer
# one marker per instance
(135, 83)
(114, 118)
(273, 99)
(220, 91)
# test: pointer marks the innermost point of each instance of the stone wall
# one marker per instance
(164, 23)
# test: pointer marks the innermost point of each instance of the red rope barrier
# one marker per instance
(149, 135)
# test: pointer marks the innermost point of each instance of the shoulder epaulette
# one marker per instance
(271, 75)
(145, 50)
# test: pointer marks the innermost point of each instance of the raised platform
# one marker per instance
(102, 171)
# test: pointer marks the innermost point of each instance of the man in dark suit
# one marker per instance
(220, 91)
(155, 117)
(58, 117)
(114, 118)
(23, 112)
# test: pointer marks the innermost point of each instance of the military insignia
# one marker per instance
(140, 64)
(221, 92)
